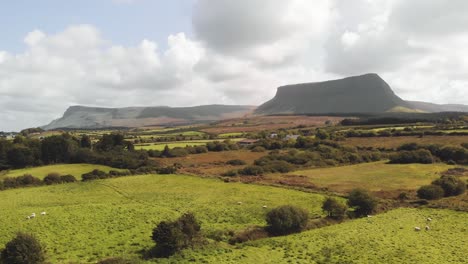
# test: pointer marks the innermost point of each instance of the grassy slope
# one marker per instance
(375, 176)
(89, 221)
(182, 144)
(74, 169)
(394, 142)
(386, 238)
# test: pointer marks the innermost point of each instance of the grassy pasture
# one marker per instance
(74, 169)
(181, 144)
(375, 176)
(93, 220)
(385, 238)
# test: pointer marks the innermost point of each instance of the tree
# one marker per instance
(334, 209)
(23, 249)
(85, 142)
(322, 134)
(430, 192)
(362, 202)
(286, 219)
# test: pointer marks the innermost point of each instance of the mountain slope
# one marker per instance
(432, 108)
(97, 117)
(359, 94)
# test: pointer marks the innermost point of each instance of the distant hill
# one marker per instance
(358, 94)
(96, 117)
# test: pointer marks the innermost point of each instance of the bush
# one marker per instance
(23, 249)
(252, 170)
(52, 178)
(286, 219)
(362, 202)
(235, 162)
(417, 156)
(334, 209)
(93, 175)
(117, 260)
(451, 185)
(67, 178)
(171, 237)
(258, 149)
(430, 192)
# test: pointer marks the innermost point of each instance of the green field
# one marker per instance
(228, 135)
(74, 169)
(375, 176)
(385, 238)
(92, 220)
(180, 144)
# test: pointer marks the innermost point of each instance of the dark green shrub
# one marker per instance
(417, 156)
(67, 178)
(52, 178)
(286, 219)
(23, 249)
(93, 175)
(258, 149)
(430, 192)
(362, 202)
(451, 185)
(334, 209)
(252, 170)
(171, 237)
(236, 162)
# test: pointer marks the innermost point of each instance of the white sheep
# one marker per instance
(28, 217)
(33, 215)
(417, 228)
(429, 219)
(239, 202)
(43, 213)
(264, 206)
(427, 228)
(369, 216)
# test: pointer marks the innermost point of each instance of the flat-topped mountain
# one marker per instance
(358, 94)
(97, 117)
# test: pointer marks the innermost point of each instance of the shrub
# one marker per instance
(116, 260)
(67, 178)
(252, 170)
(23, 249)
(451, 185)
(52, 178)
(334, 209)
(93, 175)
(236, 162)
(362, 202)
(170, 237)
(286, 219)
(258, 149)
(230, 173)
(430, 192)
(417, 156)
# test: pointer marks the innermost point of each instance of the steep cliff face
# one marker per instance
(359, 94)
(96, 117)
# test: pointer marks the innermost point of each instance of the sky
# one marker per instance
(118, 53)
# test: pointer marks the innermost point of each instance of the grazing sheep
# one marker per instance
(427, 228)
(32, 215)
(417, 228)
(28, 217)
(264, 206)
(43, 213)
(429, 219)
(239, 202)
(369, 216)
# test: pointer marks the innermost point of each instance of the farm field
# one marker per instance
(89, 221)
(375, 176)
(394, 142)
(74, 169)
(384, 238)
(213, 163)
(181, 144)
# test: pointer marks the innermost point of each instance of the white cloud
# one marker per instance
(241, 51)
